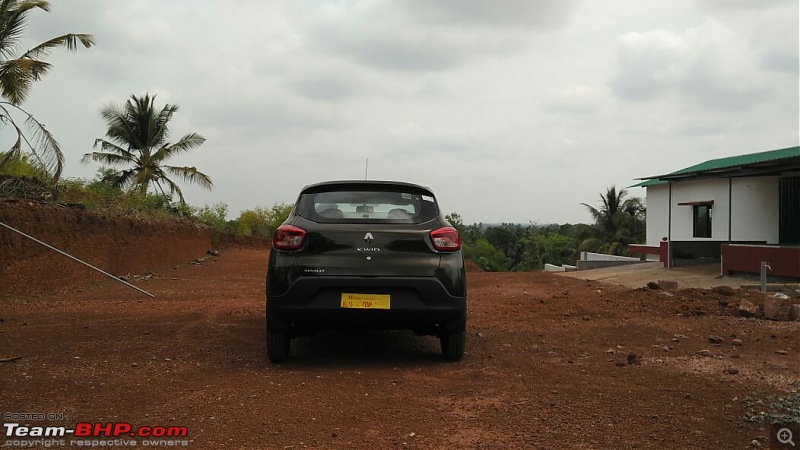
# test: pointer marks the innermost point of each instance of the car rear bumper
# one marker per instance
(422, 304)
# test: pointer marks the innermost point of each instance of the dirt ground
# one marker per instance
(552, 362)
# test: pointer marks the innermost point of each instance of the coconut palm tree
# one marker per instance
(18, 72)
(137, 137)
(618, 222)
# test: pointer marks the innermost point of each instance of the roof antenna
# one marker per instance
(366, 169)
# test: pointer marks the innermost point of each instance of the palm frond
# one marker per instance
(121, 179)
(70, 41)
(46, 148)
(191, 175)
(105, 158)
(16, 148)
(188, 142)
(17, 75)
(12, 22)
(107, 146)
(174, 188)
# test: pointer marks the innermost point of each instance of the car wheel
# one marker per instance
(453, 343)
(277, 345)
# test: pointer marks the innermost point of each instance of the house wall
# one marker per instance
(754, 210)
(698, 191)
(783, 261)
(657, 211)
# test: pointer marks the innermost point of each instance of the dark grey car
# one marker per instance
(366, 254)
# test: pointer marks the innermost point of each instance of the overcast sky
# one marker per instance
(512, 111)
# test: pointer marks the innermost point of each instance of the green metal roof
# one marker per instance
(650, 182)
(741, 165)
(741, 160)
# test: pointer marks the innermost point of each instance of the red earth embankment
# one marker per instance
(118, 245)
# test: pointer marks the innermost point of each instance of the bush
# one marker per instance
(486, 256)
(261, 222)
(21, 166)
(101, 194)
(215, 216)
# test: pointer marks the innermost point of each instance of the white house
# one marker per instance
(740, 210)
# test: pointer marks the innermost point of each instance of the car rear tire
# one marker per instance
(453, 344)
(277, 345)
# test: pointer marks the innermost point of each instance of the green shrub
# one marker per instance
(261, 222)
(215, 216)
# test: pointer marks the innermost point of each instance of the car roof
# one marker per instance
(363, 184)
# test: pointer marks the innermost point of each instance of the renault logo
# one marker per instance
(368, 238)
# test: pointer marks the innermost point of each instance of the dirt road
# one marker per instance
(552, 362)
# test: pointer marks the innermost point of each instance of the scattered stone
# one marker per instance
(586, 318)
(666, 348)
(737, 342)
(755, 444)
(633, 358)
(715, 340)
(777, 308)
(134, 364)
(704, 352)
(795, 313)
(675, 339)
(479, 334)
(782, 352)
(619, 364)
(610, 351)
(213, 252)
(668, 284)
(748, 309)
(653, 285)
(731, 371)
(723, 290)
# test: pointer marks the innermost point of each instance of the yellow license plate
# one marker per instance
(366, 301)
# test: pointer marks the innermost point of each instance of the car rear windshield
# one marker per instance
(359, 206)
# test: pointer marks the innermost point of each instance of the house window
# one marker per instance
(702, 221)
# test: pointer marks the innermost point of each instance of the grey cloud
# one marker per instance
(575, 99)
(526, 14)
(398, 50)
(415, 35)
(742, 4)
(703, 65)
(780, 61)
(259, 116)
(636, 78)
(325, 87)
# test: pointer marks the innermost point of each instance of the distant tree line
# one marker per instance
(619, 220)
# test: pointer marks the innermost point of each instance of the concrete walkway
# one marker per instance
(638, 275)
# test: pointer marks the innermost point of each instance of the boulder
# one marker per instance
(748, 308)
(795, 314)
(777, 308)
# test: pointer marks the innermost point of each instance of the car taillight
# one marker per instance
(446, 239)
(288, 237)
